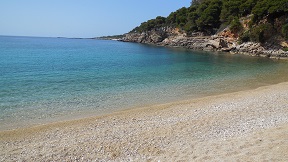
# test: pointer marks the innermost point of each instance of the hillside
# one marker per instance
(254, 27)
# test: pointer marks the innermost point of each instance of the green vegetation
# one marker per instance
(244, 37)
(111, 37)
(235, 25)
(285, 30)
(208, 15)
(259, 33)
(270, 8)
(151, 24)
(202, 16)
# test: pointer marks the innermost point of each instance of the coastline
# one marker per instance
(249, 124)
(224, 41)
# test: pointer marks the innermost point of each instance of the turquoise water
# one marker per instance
(47, 79)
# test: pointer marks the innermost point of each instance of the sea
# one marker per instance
(45, 80)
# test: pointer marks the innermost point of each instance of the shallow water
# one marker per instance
(48, 79)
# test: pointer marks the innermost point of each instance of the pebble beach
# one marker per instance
(250, 125)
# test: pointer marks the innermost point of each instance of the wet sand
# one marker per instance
(248, 125)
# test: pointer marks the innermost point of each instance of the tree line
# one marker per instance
(209, 15)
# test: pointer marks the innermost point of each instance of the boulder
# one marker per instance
(213, 43)
(223, 43)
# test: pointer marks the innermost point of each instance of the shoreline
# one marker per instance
(269, 54)
(248, 119)
(93, 114)
(275, 54)
(224, 41)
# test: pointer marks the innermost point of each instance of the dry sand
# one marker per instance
(243, 126)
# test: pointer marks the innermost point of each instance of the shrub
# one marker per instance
(244, 37)
(235, 25)
(256, 35)
(261, 33)
(285, 30)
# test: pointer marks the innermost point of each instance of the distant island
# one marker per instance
(252, 27)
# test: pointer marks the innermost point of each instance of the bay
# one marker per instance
(50, 79)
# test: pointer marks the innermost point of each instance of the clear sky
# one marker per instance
(80, 18)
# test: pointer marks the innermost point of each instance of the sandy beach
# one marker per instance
(248, 125)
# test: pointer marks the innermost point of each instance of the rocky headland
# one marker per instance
(256, 28)
(224, 41)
